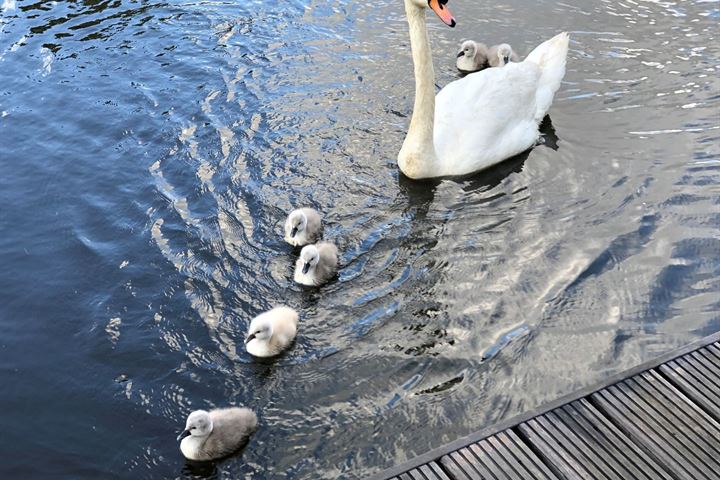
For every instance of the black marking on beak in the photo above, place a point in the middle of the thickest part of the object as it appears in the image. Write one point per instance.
(306, 268)
(506, 59)
(461, 54)
(249, 338)
(441, 4)
(185, 433)
(293, 232)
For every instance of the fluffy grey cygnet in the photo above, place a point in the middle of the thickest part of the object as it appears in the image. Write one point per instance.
(317, 264)
(271, 332)
(473, 56)
(303, 227)
(217, 433)
(501, 55)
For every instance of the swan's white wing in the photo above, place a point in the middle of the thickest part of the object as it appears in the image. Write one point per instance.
(551, 57)
(486, 117)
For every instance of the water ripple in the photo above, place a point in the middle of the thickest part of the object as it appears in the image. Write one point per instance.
(174, 138)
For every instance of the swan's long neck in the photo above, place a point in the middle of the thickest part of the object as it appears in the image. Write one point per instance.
(417, 156)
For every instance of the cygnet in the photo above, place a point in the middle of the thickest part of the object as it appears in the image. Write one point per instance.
(473, 56)
(317, 264)
(302, 227)
(500, 55)
(217, 433)
(271, 332)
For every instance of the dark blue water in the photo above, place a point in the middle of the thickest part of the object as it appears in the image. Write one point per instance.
(149, 152)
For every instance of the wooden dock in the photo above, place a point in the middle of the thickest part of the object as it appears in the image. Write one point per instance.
(660, 420)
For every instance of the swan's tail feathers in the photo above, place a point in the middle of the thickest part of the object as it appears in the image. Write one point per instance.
(550, 56)
(551, 52)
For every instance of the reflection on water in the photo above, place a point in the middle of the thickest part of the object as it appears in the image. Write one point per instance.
(151, 150)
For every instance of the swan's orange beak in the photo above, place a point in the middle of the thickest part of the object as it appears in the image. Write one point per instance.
(441, 10)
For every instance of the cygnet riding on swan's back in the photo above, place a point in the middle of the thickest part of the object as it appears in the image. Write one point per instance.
(473, 56)
(482, 119)
(271, 332)
(317, 264)
(501, 55)
(217, 433)
(302, 227)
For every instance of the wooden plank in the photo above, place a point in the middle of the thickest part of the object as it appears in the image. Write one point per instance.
(561, 460)
(664, 440)
(534, 467)
(503, 458)
(461, 469)
(698, 379)
(500, 457)
(708, 359)
(622, 412)
(586, 445)
(608, 439)
(505, 470)
(437, 470)
(560, 437)
(663, 415)
(702, 428)
(429, 471)
(482, 455)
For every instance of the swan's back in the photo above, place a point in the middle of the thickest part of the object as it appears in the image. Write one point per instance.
(232, 428)
(492, 115)
(284, 325)
(327, 267)
(485, 118)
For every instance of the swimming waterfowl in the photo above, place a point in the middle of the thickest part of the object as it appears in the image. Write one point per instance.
(482, 119)
(501, 55)
(473, 56)
(317, 264)
(271, 332)
(302, 227)
(217, 433)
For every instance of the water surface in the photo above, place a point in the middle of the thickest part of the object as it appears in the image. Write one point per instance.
(150, 150)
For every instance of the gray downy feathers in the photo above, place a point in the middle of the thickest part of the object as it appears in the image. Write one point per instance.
(217, 433)
(473, 56)
(317, 264)
(303, 227)
(500, 55)
(272, 332)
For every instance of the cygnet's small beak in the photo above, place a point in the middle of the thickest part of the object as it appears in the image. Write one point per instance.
(306, 268)
(185, 433)
(441, 10)
(506, 59)
(460, 54)
(293, 232)
(249, 338)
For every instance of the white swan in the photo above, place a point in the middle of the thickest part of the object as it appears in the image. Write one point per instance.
(217, 433)
(482, 119)
(271, 332)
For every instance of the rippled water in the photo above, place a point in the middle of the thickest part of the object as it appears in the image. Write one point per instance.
(150, 150)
